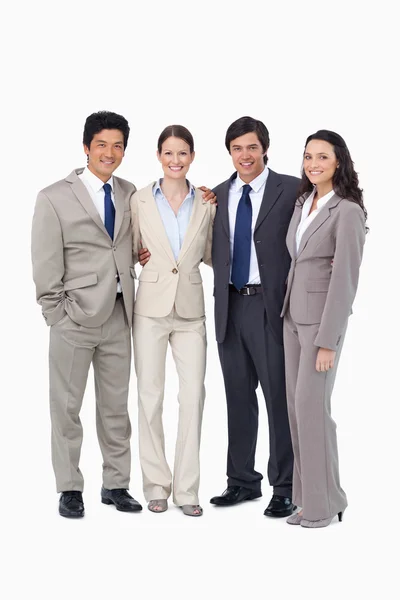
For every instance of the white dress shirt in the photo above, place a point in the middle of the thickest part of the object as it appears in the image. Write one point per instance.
(307, 217)
(94, 186)
(256, 196)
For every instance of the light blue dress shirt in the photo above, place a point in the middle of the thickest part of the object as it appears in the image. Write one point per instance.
(175, 226)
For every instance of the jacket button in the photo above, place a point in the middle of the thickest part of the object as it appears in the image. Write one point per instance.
(174, 271)
(227, 264)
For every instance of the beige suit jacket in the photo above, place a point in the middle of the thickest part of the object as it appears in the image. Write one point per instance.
(164, 281)
(323, 276)
(75, 262)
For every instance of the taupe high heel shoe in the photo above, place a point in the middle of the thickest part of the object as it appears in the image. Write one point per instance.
(295, 519)
(321, 522)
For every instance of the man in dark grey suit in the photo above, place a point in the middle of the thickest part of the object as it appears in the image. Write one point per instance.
(251, 264)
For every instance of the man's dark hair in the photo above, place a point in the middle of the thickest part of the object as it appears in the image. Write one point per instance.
(248, 125)
(104, 119)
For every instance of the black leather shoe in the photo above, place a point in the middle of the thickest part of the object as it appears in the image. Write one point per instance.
(235, 494)
(122, 500)
(280, 506)
(71, 505)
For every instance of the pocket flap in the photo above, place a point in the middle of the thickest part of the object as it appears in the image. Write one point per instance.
(80, 282)
(317, 285)
(133, 272)
(150, 276)
(195, 277)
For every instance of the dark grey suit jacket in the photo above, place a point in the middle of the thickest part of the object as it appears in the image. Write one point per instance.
(270, 242)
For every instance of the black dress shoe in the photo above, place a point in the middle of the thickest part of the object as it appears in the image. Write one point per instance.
(280, 506)
(122, 500)
(235, 494)
(71, 505)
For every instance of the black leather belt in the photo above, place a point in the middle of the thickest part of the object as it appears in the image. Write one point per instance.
(248, 290)
(118, 296)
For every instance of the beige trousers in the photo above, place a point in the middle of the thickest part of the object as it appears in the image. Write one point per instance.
(187, 338)
(72, 349)
(316, 484)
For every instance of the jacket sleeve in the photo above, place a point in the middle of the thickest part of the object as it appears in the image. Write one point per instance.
(350, 238)
(48, 260)
(136, 242)
(208, 248)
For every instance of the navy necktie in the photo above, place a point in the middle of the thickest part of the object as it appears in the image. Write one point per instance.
(242, 240)
(109, 210)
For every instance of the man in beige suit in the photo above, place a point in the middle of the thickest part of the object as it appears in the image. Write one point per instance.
(84, 276)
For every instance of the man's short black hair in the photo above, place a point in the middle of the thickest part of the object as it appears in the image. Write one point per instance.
(104, 119)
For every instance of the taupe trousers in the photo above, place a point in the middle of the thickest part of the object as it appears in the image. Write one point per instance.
(316, 485)
(187, 338)
(73, 348)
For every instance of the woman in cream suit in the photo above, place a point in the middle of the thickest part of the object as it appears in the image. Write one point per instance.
(171, 219)
(325, 239)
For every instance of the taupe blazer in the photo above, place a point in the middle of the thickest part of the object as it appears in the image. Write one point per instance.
(75, 262)
(164, 281)
(323, 276)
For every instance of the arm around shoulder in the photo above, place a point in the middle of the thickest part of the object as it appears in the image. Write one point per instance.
(208, 249)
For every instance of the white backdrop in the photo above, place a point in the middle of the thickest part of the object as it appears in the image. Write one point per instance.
(299, 67)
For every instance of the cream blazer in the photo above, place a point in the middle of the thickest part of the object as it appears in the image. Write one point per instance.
(164, 281)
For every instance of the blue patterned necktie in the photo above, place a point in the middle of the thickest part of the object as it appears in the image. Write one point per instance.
(242, 240)
(109, 210)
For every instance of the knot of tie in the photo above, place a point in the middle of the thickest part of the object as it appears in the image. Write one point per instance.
(246, 189)
(107, 188)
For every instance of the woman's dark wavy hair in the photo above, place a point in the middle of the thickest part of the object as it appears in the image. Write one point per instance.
(345, 179)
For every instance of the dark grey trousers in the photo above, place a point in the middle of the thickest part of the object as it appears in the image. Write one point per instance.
(250, 355)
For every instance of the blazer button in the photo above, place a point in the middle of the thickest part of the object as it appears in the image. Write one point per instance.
(174, 271)
(227, 264)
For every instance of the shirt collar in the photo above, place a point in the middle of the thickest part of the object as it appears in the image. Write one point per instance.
(95, 183)
(157, 189)
(321, 201)
(256, 184)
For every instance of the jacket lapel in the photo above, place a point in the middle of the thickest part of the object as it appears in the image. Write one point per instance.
(80, 191)
(273, 189)
(223, 204)
(119, 207)
(154, 220)
(318, 221)
(291, 234)
(196, 218)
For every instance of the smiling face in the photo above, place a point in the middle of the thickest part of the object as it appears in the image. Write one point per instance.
(175, 158)
(320, 163)
(105, 153)
(248, 156)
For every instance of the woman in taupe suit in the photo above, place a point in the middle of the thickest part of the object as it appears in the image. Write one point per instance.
(325, 239)
(171, 219)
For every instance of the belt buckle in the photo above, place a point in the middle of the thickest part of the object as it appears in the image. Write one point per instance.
(247, 292)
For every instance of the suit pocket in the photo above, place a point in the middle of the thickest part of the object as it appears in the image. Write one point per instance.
(317, 285)
(195, 277)
(317, 290)
(80, 282)
(148, 276)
